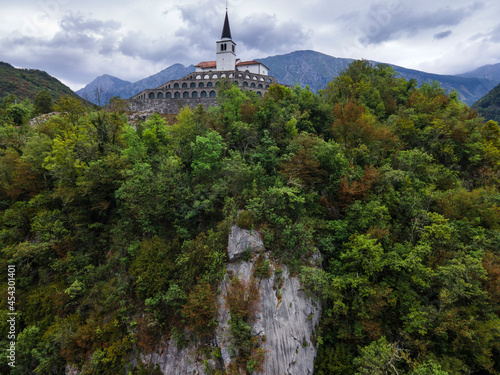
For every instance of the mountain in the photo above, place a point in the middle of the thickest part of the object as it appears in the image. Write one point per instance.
(99, 90)
(26, 83)
(489, 105)
(490, 72)
(108, 86)
(315, 70)
(307, 68)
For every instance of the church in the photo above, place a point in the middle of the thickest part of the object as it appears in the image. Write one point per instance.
(200, 87)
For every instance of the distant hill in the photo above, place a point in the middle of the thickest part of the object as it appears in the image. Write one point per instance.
(490, 72)
(307, 68)
(26, 83)
(489, 105)
(112, 86)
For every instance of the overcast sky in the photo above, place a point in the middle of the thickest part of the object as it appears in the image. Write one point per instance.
(76, 41)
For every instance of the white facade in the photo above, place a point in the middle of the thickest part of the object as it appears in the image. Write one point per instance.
(226, 55)
(254, 68)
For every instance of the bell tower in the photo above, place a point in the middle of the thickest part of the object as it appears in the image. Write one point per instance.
(226, 48)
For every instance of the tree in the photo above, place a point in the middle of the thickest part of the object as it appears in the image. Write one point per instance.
(43, 102)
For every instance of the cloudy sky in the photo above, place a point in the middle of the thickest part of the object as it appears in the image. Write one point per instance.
(76, 41)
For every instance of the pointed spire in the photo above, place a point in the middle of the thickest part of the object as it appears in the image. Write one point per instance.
(226, 30)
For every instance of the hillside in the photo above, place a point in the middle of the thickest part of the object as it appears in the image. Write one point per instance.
(292, 233)
(489, 105)
(307, 68)
(26, 83)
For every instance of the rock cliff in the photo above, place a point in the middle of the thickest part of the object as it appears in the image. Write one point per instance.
(284, 323)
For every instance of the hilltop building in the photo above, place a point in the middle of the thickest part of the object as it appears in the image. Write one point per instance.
(200, 87)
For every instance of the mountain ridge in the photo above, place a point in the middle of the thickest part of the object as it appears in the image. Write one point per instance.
(315, 70)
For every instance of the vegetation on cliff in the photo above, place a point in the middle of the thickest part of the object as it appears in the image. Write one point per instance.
(118, 234)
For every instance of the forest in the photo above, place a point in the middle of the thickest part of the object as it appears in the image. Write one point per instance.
(117, 230)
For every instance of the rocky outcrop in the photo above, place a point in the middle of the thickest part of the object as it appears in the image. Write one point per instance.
(285, 322)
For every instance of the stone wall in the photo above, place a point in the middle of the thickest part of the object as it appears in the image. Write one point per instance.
(195, 88)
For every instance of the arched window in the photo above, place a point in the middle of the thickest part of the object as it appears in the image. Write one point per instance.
(185, 94)
(258, 93)
(252, 84)
(235, 83)
(214, 76)
(245, 83)
(151, 95)
(209, 84)
(169, 95)
(192, 85)
(223, 75)
(194, 94)
(177, 94)
(201, 84)
(206, 76)
(260, 86)
(267, 86)
(176, 85)
(198, 76)
(203, 94)
(212, 94)
(160, 95)
(184, 85)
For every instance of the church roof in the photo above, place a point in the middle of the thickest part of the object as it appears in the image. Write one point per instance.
(206, 64)
(252, 62)
(226, 30)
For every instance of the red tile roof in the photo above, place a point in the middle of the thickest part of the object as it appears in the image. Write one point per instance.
(252, 62)
(207, 64)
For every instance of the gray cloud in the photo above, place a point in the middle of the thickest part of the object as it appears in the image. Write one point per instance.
(266, 33)
(443, 34)
(381, 23)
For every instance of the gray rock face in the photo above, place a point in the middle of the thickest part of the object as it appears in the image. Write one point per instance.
(242, 240)
(287, 318)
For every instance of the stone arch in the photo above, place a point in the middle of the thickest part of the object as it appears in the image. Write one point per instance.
(235, 83)
(169, 95)
(184, 85)
(214, 76)
(206, 76)
(201, 84)
(262, 79)
(252, 84)
(198, 76)
(259, 93)
(177, 94)
(213, 94)
(260, 86)
(185, 94)
(223, 75)
(192, 85)
(254, 78)
(267, 86)
(194, 94)
(151, 95)
(209, 84)
(176, 85)
(203, 94)
(245, 83)
(160, 95)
